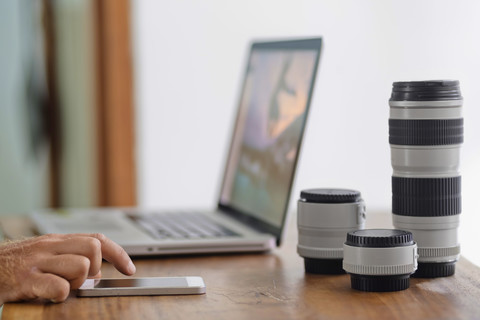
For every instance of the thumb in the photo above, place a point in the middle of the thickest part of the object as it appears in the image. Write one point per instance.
(48, 286)
(97, 276)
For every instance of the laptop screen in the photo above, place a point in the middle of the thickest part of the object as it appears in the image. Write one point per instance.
(270, 123)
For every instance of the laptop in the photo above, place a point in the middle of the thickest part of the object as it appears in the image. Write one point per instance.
(258, 177)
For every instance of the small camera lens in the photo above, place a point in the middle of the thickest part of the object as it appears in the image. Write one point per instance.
(324, 217)
(380, 259)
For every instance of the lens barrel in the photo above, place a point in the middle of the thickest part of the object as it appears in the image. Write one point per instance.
(425, 136)
(324, 218)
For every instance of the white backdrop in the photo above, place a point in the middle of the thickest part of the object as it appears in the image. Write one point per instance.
(189, 58)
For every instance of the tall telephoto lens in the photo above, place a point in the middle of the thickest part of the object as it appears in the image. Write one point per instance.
(426, 132)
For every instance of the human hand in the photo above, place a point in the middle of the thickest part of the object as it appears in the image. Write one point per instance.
(49, 266)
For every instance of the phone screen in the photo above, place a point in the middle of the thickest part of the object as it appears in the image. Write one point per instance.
(141, 283)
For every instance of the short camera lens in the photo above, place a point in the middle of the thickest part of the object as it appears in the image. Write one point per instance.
(324, 217)
(380, 259)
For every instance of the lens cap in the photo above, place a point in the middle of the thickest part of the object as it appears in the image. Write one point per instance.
(327, 195)
(433, 90)
(379, 238)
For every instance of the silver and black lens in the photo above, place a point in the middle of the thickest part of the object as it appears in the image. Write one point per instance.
(425, 135)
(380, 260)
(324, 218)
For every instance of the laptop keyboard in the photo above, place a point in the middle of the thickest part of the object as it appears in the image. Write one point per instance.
(181, 225)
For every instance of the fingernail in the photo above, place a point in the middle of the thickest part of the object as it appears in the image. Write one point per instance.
(131, 268)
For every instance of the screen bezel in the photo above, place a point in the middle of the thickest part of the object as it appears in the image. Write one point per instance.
(261, 225)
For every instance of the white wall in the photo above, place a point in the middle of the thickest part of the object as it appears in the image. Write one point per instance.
(189, 58)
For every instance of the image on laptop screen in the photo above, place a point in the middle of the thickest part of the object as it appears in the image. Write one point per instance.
(269, 129)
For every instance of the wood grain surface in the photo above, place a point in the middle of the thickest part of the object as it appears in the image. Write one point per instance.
(268, 286)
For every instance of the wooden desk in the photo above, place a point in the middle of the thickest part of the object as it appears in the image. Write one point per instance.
(269, 286)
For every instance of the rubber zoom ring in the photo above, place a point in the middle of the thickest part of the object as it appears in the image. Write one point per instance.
(426, 197)
(425, 132)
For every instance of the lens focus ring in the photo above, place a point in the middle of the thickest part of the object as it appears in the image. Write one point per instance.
(426, 132)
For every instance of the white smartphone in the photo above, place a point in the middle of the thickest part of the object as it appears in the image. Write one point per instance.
(141, 286)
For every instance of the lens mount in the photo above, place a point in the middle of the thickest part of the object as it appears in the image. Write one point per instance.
(323, 266)
(434, 270)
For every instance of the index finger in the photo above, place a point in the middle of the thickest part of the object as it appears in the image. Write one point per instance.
(114, 253)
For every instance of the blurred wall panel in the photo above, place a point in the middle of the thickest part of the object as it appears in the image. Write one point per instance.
(24, 149)
(66, 111)
(115, 110)
(94, 82)
(75, 83)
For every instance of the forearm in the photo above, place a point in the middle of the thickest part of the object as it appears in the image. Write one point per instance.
(10, 266)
